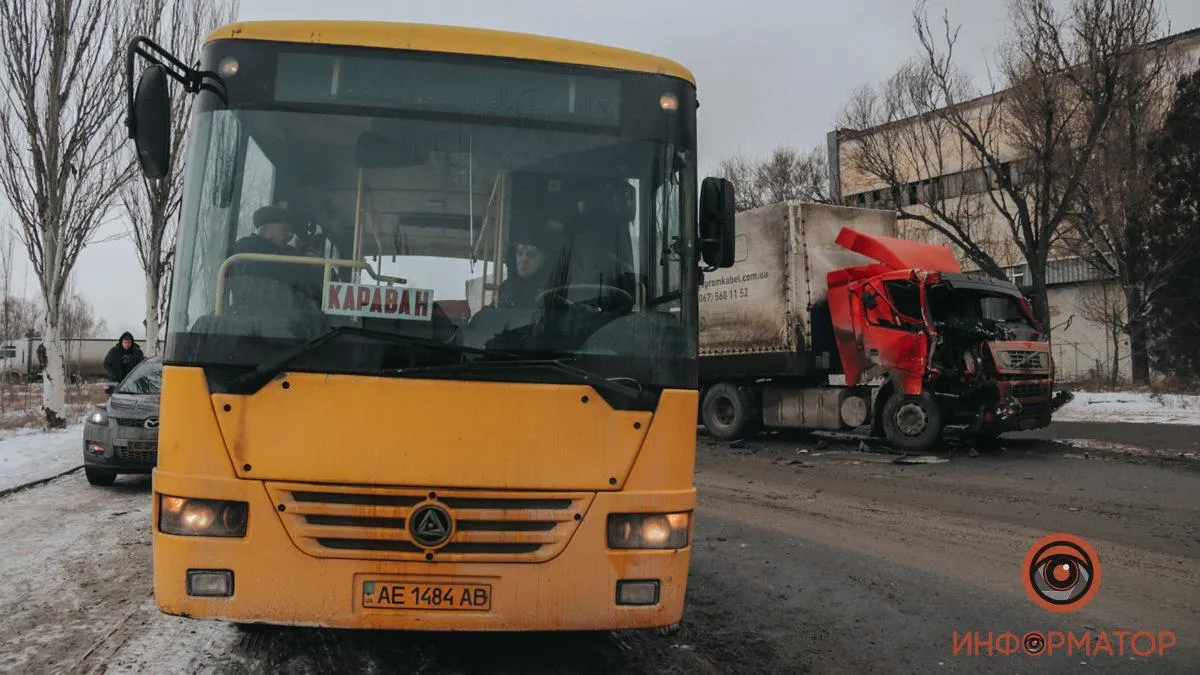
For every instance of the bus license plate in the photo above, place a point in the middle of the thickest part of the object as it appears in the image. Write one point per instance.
(382, 594)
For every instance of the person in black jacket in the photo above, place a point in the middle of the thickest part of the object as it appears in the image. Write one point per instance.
(274, 234)
(122, 358)
(529, 277)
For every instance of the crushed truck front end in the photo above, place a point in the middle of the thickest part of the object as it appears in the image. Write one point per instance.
(959, 352)
(990, 358)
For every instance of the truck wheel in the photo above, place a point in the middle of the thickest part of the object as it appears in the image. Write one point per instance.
(912, 423)
(99, 477)
(726, 411)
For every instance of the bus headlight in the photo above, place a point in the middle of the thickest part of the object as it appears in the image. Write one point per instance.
(202, 517)
(648, 530)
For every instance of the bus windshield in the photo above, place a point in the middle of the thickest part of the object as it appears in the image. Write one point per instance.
(536, 211)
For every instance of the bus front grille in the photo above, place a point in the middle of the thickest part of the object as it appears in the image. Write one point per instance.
(370, 523)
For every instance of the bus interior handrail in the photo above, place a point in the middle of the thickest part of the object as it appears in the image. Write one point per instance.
(327, 263)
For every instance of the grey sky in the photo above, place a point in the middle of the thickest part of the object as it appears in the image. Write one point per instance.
(768, 72)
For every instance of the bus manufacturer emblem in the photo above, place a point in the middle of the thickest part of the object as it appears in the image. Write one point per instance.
(431, 525)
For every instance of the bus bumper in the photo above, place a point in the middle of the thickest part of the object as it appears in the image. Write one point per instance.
(274, 581)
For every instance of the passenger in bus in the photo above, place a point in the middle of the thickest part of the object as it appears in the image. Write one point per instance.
(274, 234)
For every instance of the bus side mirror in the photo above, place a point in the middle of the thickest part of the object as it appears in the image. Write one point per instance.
(150, 122)
(716, 222)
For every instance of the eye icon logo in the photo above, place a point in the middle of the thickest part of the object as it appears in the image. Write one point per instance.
(1061, 572)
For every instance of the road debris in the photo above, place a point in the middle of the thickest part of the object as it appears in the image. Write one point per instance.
(798, 463)
(919, 459)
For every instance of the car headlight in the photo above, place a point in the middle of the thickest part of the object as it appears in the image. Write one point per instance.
(202, 517)
(98, 417)
(648, 530)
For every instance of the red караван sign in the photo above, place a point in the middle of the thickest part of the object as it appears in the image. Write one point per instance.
(381, 302)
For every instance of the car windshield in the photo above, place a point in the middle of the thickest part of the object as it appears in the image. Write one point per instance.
(144, 379)
(532, 230)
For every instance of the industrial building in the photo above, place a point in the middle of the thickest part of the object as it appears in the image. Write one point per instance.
(1084, 348)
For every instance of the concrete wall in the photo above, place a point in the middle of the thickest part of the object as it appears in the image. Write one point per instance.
(1084, 348)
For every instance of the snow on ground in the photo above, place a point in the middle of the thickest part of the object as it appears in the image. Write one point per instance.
(28, 455)
(1122, 450)
(1131, 407)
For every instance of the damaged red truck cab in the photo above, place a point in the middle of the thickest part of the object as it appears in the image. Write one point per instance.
(956, 350)
(822, 293)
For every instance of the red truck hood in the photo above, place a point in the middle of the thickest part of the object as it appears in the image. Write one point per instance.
(899, 254)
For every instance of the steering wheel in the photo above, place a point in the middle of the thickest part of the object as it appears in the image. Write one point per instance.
(592, 301)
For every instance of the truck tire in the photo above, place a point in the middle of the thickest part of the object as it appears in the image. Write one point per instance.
(726, 411)
(912, 423)
(99, 477)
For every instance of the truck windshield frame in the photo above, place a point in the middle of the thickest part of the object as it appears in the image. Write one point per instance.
(967, 303)
(416, 194)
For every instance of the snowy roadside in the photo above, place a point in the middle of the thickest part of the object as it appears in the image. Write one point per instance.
(1092, 446)
(1131, 408)
(30, 455)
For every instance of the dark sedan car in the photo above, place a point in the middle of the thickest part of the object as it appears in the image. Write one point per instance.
(121, 435)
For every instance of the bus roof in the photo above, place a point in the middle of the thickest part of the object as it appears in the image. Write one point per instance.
(451, 39)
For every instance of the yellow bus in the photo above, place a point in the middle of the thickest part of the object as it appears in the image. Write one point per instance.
(431, 351)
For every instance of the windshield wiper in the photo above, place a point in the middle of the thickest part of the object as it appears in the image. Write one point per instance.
(609, 389)
(266, 370)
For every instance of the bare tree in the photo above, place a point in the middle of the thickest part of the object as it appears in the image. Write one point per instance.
(1027, 145)
(6, 271)
(153, 205)
(1103, 303)
(79, 320)
(1108, 226)
(740, 170)
(7, 241)
(928, 172)
(22, 318)
(786, 174)
(60, 123)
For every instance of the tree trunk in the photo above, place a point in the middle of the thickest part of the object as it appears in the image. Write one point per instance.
(1115, 330)
(151, 347)
(1041, 300)
(54, 389)
(1139, 356)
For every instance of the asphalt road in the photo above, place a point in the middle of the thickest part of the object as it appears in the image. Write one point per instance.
(1176, 437)
(806, 559)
